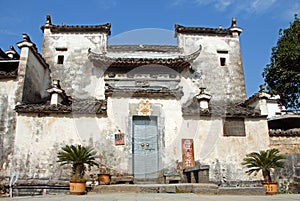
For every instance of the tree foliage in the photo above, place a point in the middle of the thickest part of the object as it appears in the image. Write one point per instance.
(282, 75)
(264, 161)
(78, 156)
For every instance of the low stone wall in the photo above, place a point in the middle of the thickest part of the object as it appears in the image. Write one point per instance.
(288, 178)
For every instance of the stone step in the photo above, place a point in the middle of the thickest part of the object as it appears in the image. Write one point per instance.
(205, 188)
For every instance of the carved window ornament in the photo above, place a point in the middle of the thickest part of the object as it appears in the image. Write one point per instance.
(144, 108)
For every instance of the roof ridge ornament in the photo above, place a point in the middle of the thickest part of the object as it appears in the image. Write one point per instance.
(48, 20)
(235, 30)
(191, 57)
(233, 22)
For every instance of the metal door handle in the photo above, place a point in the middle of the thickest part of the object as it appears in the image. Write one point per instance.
(142, 145)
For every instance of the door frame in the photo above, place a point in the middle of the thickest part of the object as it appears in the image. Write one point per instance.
(135, 135)
(160, 144)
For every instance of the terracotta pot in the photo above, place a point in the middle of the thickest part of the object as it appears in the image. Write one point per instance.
(271, 188)
(104, 179)
(77, 187)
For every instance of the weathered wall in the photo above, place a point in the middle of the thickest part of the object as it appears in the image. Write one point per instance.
(223, 154)
(286, 144)
(7, 124)
(290, 174)
(224, 83)
(33, 78)
(37, 80)
(77, 75)
(41, 136)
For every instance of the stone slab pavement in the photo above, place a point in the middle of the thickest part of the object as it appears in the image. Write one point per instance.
(155, 197)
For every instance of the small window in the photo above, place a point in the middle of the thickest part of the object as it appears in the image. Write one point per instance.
(234, 127)
(61, 49)
(222, 51)
(60, 59)
(223, 61)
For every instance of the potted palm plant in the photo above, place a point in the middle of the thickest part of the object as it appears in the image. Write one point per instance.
(78, 157)
(265, 161)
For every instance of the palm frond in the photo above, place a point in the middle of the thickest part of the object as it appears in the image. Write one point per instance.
(264, 161)
(78, 156)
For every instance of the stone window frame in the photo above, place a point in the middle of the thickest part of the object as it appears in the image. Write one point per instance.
(60, 59)
(234, 127)
(223, 58)
(61, 56)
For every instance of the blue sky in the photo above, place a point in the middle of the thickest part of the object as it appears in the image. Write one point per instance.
(260, 20)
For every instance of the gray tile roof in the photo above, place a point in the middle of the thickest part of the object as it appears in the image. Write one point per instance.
(146, 48)
(105, 28)
(201, 30)
(144, 92)
(134, 62)
(284, 133)
(77, 106)
(8, 68)
(219, 109)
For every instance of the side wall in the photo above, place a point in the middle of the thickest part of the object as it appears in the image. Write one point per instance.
(76, 74)
(224, 83)
(41, 136)
(37, 80)
(7, 124)
(223, 154)
(289, 176)
(33, 77)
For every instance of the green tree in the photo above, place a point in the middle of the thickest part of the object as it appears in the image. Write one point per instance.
(78, 156)
(264, 161)
(282, 75)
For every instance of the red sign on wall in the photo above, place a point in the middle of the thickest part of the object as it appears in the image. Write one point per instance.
(188, 160)
(119, 139)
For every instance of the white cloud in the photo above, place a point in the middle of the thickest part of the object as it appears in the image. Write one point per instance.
(8, 32)
(106, 4)
(261, 6)
(235, 6)
(177, 2)
(218, 4)
(10, 20)
(291, 11)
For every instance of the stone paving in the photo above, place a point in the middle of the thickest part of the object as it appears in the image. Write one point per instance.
(155, 196)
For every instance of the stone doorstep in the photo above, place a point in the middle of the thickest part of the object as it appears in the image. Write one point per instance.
(124, 179)
(204, 188)
(241, 191)
(157, 188)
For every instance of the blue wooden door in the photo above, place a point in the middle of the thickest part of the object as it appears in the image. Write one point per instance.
(145, 148)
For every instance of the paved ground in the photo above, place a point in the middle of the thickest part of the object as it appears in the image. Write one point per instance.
(154, 197)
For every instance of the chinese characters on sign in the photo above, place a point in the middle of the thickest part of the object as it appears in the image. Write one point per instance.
(187, 153)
